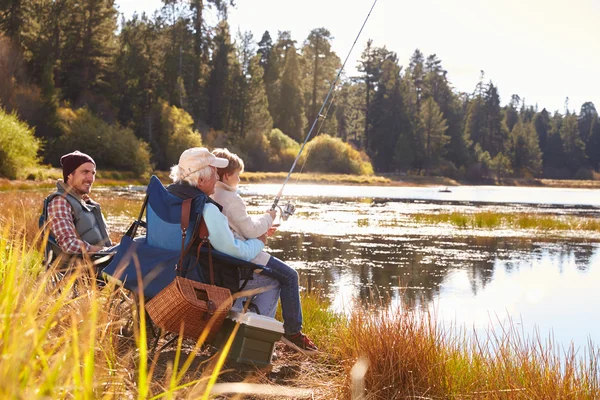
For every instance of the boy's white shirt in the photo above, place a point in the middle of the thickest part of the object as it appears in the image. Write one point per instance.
(243, 226)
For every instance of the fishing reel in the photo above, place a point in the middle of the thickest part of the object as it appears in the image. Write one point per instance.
(286, 211)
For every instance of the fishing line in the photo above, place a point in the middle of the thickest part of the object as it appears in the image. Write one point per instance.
(276, 201)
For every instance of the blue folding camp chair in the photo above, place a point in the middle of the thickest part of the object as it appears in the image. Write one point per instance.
(146, 264)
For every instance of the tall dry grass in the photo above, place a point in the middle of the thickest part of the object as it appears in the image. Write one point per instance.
(57, 341)
(408, 355)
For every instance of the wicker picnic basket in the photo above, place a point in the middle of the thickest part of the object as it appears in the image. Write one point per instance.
(197, 306)
(188, 304)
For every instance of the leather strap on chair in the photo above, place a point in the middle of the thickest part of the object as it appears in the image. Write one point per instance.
(185, 223)
(203, 234)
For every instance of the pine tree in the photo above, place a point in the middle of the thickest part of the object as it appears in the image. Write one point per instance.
(388, 141)
(511, 113)
(495, 128)
(554, 158)
(526, 154)
(273, 72)
(475, 122)
(542, 128)
(593, 146)
(415, 76)
(264, 49)
(586, 123)
(289, 112)
(371, 64)
(350, 113)
(13, 16)
(178, 53)
(90, 44)
(139, 75)
(256, 108)
(572, 144)
(320, 66)
(431, 138)
(258, 121)
(222, 89)
(436, 86)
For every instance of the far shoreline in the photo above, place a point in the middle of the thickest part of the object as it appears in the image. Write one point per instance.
(118, 178)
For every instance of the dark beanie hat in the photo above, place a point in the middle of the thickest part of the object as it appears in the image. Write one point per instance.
(70, 162)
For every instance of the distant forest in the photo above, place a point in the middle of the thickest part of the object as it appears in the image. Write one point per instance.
(134, 93)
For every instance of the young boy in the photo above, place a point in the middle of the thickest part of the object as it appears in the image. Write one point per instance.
(244, 227)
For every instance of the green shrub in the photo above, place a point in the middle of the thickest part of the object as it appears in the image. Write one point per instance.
(327, 154)
(584, 173)
(111, 146)
(18, 146)
(177, 129)
(282, 150)
(254, 149)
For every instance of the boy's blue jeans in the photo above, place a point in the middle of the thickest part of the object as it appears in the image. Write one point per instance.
(283, 282)
(289, 294)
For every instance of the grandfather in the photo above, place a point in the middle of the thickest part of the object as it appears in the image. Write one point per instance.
(196, 174)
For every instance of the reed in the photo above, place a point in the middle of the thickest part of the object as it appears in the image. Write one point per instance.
(409, 355)
(57, 341)
(496, 220)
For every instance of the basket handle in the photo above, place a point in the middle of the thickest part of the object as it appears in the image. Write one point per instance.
(206, 299)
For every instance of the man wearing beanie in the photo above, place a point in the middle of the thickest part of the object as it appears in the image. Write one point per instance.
(76, 221)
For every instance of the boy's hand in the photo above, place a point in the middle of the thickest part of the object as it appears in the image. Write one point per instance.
(272, 230)
(272, 213)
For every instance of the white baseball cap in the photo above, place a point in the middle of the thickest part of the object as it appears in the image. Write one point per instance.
(196, 158)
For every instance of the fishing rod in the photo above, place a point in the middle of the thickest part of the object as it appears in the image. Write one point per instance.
(289, 208)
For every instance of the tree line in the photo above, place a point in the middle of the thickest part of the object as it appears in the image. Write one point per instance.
(82, 78)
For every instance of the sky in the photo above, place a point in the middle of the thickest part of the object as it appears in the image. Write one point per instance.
(542, 50)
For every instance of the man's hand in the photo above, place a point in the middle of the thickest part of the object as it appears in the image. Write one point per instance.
(263, 238)
(272, 213)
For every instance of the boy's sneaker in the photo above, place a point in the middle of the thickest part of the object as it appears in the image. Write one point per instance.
(301, 343)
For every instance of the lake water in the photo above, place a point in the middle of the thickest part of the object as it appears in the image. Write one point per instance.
(359, 245)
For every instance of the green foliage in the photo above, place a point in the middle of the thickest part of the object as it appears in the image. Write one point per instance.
(111, 146)
(573, 146)
(320, 65)
(388, 133)
(500, 166)
(18, 146)
(282, 150)
(257, 118)
(431, 134)
(177, 133)
(289, 109)
(71, 53)
(87, 52)
(223, 90)
(526, 154)
(327, 154)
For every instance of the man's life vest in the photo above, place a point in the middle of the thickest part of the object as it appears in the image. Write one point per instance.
(87, 216)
